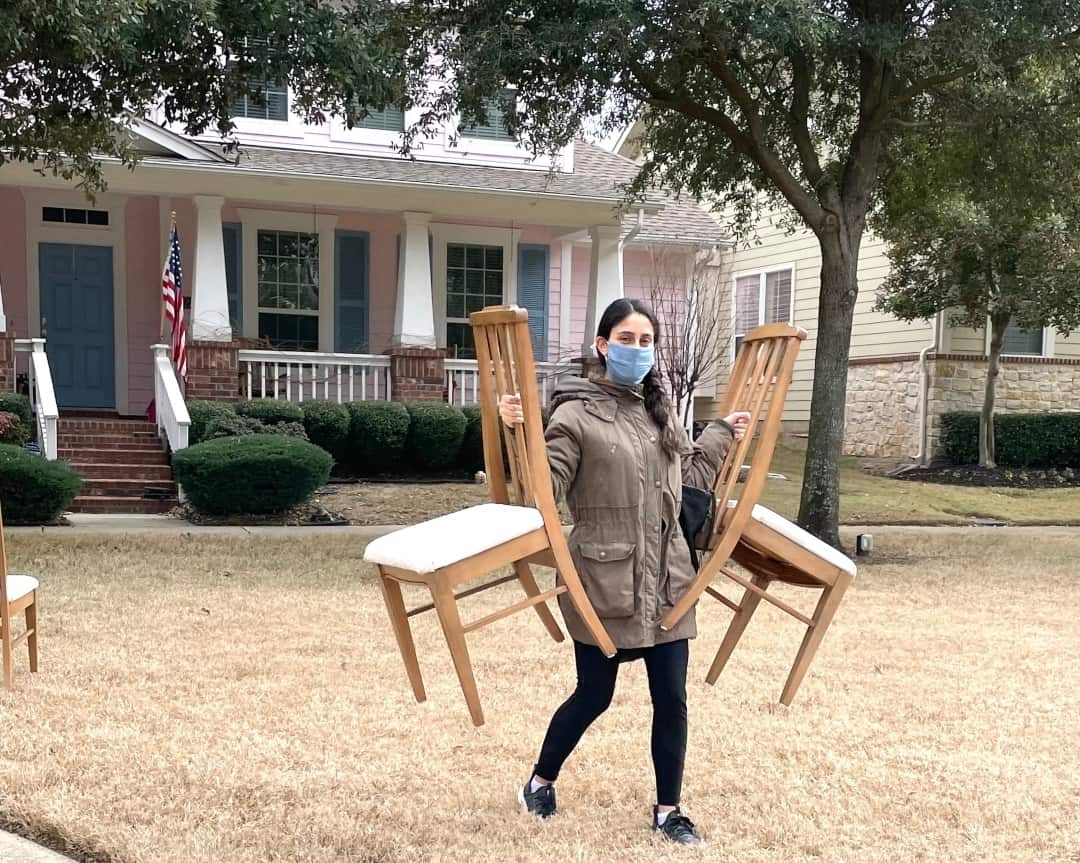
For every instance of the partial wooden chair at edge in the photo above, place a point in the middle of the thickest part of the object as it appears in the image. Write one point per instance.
(768, 546)
(18, 593)
(520, 524)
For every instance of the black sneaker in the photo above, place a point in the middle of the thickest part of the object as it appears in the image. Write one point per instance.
(539, 802)
(677, 828)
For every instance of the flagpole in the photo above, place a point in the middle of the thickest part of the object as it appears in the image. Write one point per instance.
(168, 251)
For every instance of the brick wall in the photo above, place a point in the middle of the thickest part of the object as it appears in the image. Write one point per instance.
(213, 371)
(417, 374)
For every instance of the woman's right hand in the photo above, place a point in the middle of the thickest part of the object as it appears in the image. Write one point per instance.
(510, 410)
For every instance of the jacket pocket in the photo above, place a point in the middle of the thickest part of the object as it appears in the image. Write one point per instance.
(607, 572)
(680, 569)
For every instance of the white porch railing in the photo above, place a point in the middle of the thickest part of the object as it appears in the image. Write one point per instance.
(173, 419)
(297, 376)
(42, 395)
(463, 388)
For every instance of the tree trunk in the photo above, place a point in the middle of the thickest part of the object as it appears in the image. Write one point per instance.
(987, 449)
(819, 510)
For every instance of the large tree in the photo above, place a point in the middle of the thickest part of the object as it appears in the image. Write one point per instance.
(981, 210)
(791, 102)
(76, 70)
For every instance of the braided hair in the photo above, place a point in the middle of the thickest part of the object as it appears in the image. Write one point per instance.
(657, 403)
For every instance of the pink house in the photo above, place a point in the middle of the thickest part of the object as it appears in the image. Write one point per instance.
(316, 264)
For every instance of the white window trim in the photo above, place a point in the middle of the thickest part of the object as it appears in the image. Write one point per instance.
(378, 138)
(761, 273)
(39, 231)
(1048, 344)
(268, 220)
(443, 235)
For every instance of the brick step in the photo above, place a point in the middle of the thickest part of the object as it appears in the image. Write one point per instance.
(70, 441)
(95, 455)
(106, 425)
(151, 473)
(112, 487)
(120, 505)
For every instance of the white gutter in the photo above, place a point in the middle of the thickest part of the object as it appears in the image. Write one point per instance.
(924, 392)
(634, 231)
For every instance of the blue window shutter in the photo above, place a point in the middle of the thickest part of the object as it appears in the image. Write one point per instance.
(351, 306)
(532, 294)
(234, 285)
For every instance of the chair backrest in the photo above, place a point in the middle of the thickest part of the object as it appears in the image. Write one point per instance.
(758, 384)
(505, 366)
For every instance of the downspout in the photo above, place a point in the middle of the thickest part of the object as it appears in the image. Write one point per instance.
(634, 231)
(924, 392)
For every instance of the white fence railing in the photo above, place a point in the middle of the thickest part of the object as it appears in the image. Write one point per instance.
(298, 376)
(171, 412)
(462, 380)
(42, 395)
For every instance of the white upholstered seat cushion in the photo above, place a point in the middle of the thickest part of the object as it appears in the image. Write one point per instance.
(431, 545)
(790, 530)
(19, 584)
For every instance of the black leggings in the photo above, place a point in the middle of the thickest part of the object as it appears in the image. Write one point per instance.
(666, 667)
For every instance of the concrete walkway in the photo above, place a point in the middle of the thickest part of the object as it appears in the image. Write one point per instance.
(15, 849)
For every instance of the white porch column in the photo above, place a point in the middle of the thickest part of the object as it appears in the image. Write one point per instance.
(605, 278)
(209, 295)
(414, 317)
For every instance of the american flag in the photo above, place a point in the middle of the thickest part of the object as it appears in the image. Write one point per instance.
(172, 294)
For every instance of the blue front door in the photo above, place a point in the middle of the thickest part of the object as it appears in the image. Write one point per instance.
(77, 322)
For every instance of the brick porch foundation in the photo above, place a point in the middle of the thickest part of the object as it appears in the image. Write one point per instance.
(417, 374)
(213, 371)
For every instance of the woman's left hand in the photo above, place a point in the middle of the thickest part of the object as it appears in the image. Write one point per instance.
(740, 422)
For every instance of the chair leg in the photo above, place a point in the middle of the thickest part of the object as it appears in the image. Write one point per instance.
(31, 628)
(446, 608)
(525, 576)
(395, 605)
(5, 637)
(823, 615)
(736, 628)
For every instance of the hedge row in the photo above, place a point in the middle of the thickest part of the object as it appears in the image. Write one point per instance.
(33, 489)
(1038, 440)
(371, 438)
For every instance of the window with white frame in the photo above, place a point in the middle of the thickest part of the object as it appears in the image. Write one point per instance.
(1021, 342)
(762, 298)
(268, 100)
(494, 126)
(474, 279)
(288, 289)
(389, 119)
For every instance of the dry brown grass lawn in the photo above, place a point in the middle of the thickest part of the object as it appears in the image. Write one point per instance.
(242, 700)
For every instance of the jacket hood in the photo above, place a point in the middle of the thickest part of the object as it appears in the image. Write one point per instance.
(596, 391)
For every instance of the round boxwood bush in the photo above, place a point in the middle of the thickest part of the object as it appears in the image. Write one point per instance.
(270, 411)
(377, 435)
(32, 489)
(12, 429)
(203, 413)
(435, 434)
(18, 404)
(471, 454)
(250, 474)
(327, 425)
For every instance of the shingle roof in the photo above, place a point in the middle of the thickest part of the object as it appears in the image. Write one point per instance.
(598, 175)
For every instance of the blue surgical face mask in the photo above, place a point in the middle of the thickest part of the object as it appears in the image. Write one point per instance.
(628, 366)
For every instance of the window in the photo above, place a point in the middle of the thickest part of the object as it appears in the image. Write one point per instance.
(269, 100)
(387, 120)
(288, 289)
(71, 216)
(762, 298)
(474, 279)
(1021, 342)
(494, 128)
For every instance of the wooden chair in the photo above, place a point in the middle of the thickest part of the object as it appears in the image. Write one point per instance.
(520, 523)
(18, 592)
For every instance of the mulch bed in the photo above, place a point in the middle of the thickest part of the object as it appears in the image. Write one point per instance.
(1006, 477)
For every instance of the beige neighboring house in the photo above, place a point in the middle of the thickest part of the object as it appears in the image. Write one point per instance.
(901, 376)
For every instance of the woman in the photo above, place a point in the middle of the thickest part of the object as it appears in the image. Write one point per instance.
(620, 458)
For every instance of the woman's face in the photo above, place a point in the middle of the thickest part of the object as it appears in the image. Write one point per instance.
(634, 331)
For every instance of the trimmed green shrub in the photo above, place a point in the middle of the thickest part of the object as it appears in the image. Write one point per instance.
(33, 489)
(1039, 440)
(327, 425)
(202, 414)
(237, 426)
(377, 435)
(471, 454)
(270, 411)
(18, 404)
(436, 430)
(251, 474)
(12, 429)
